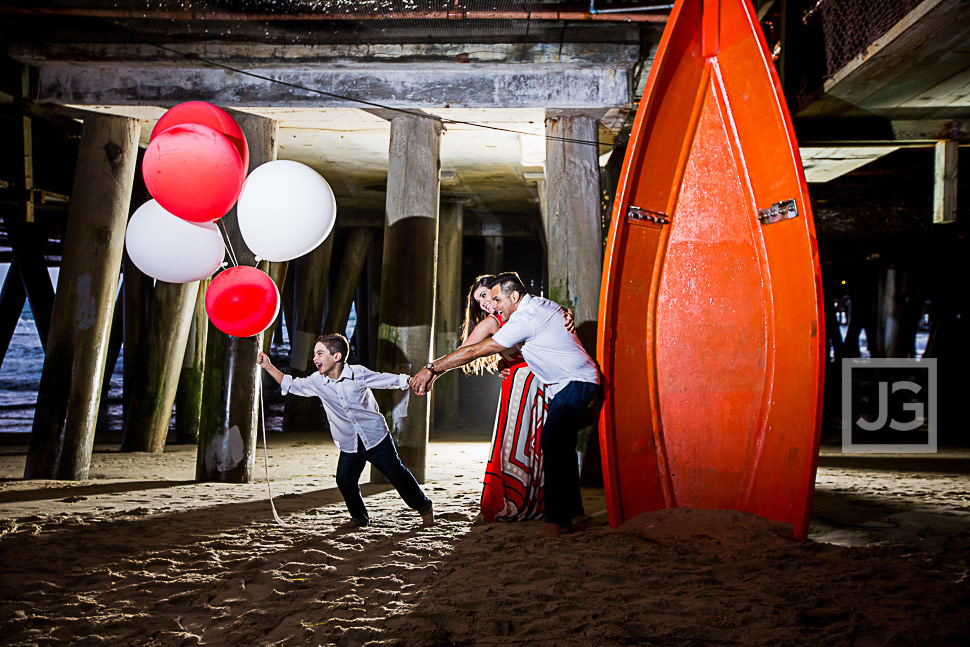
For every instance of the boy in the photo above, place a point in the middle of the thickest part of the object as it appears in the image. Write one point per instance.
(356, 423)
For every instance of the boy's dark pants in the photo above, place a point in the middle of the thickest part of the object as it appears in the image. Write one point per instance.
(384, 457)
(559, 434)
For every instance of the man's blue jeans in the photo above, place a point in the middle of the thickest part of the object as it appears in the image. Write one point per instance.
(563, 422)
(384, 457)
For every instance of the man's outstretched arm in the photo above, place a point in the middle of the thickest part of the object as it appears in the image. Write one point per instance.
(422, 379)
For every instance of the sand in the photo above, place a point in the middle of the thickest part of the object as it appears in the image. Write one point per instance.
(141, 555)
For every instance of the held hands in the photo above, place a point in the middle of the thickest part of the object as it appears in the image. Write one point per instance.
(421, 381)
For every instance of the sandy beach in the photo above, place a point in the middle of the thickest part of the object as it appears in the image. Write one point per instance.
(142, 555)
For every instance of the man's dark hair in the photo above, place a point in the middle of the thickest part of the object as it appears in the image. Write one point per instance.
(335, 344)
(510, 283)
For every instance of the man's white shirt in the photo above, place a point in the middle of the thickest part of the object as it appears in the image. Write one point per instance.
(350, 405)
(553, 353)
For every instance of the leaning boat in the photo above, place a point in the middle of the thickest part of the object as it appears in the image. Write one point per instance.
(711, 334)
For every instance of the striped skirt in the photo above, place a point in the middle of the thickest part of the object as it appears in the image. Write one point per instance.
(513, 476)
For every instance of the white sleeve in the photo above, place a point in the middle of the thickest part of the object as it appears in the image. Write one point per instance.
(375, 380)
(515, 331)
(298, 386)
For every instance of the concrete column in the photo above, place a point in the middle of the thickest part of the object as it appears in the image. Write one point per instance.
(230, 385)
(572, 220)
(157, 376)
(448, 312)
(310, 278)
(406, 336)
(70, 387)
(348, 277)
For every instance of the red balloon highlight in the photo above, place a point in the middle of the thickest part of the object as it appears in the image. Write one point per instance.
(194, 172)
(242, 301)
(206, 114)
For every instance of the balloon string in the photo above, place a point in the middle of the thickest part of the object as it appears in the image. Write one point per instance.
(228, 243)
(262, 417)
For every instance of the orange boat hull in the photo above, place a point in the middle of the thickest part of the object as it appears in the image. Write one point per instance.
(711, 338)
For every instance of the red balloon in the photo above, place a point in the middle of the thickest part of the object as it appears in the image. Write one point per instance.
(194, 172)
(201, 112)
(242, 301)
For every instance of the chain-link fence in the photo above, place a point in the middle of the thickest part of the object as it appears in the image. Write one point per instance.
(850, 26)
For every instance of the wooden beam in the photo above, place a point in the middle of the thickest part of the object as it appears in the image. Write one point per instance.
(498, 85)
(945, 183)
(27, 145)
(866, 131)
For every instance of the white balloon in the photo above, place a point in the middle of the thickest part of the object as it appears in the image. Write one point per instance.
(285, 209)
(171, 249)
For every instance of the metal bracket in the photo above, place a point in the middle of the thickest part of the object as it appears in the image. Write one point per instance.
(645, 217)
(777, 212)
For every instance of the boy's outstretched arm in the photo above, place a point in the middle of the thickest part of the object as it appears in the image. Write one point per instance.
(263, 361)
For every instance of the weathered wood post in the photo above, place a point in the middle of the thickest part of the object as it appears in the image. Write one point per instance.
(406, 335)
(277, 272)
(574, 240)
(573, 229)
(310, 278)
(70, 386)
(157, 374)
(136, 289)
(12, 300)
(28, 242)
(230, 385)
(449, 311)
(355, 253)
(369, 302)
(188, 395)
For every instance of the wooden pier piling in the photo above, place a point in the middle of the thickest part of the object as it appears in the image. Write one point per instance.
(188, 395)
(406, 335)
(70, 388)
(342, 299)
(159, 365)
(230, 384)
(310, 279)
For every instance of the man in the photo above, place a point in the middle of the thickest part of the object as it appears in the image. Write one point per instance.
(556, 357)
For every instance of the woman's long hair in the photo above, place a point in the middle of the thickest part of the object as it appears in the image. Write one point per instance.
(473, 316)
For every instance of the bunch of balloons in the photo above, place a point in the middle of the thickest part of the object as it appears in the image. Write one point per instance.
(195, 169)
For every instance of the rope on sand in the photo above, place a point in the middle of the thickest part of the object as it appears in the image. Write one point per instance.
(269, 490)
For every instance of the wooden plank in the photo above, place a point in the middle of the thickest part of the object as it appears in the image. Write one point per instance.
(945, 183)
(912, 57)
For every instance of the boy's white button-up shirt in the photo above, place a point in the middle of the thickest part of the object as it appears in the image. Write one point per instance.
(552, 352)
(349, 403)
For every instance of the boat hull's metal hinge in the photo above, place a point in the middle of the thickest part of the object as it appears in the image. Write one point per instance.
(777, 212)
(639, 216)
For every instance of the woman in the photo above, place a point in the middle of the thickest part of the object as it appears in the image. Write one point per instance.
(513, 476)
